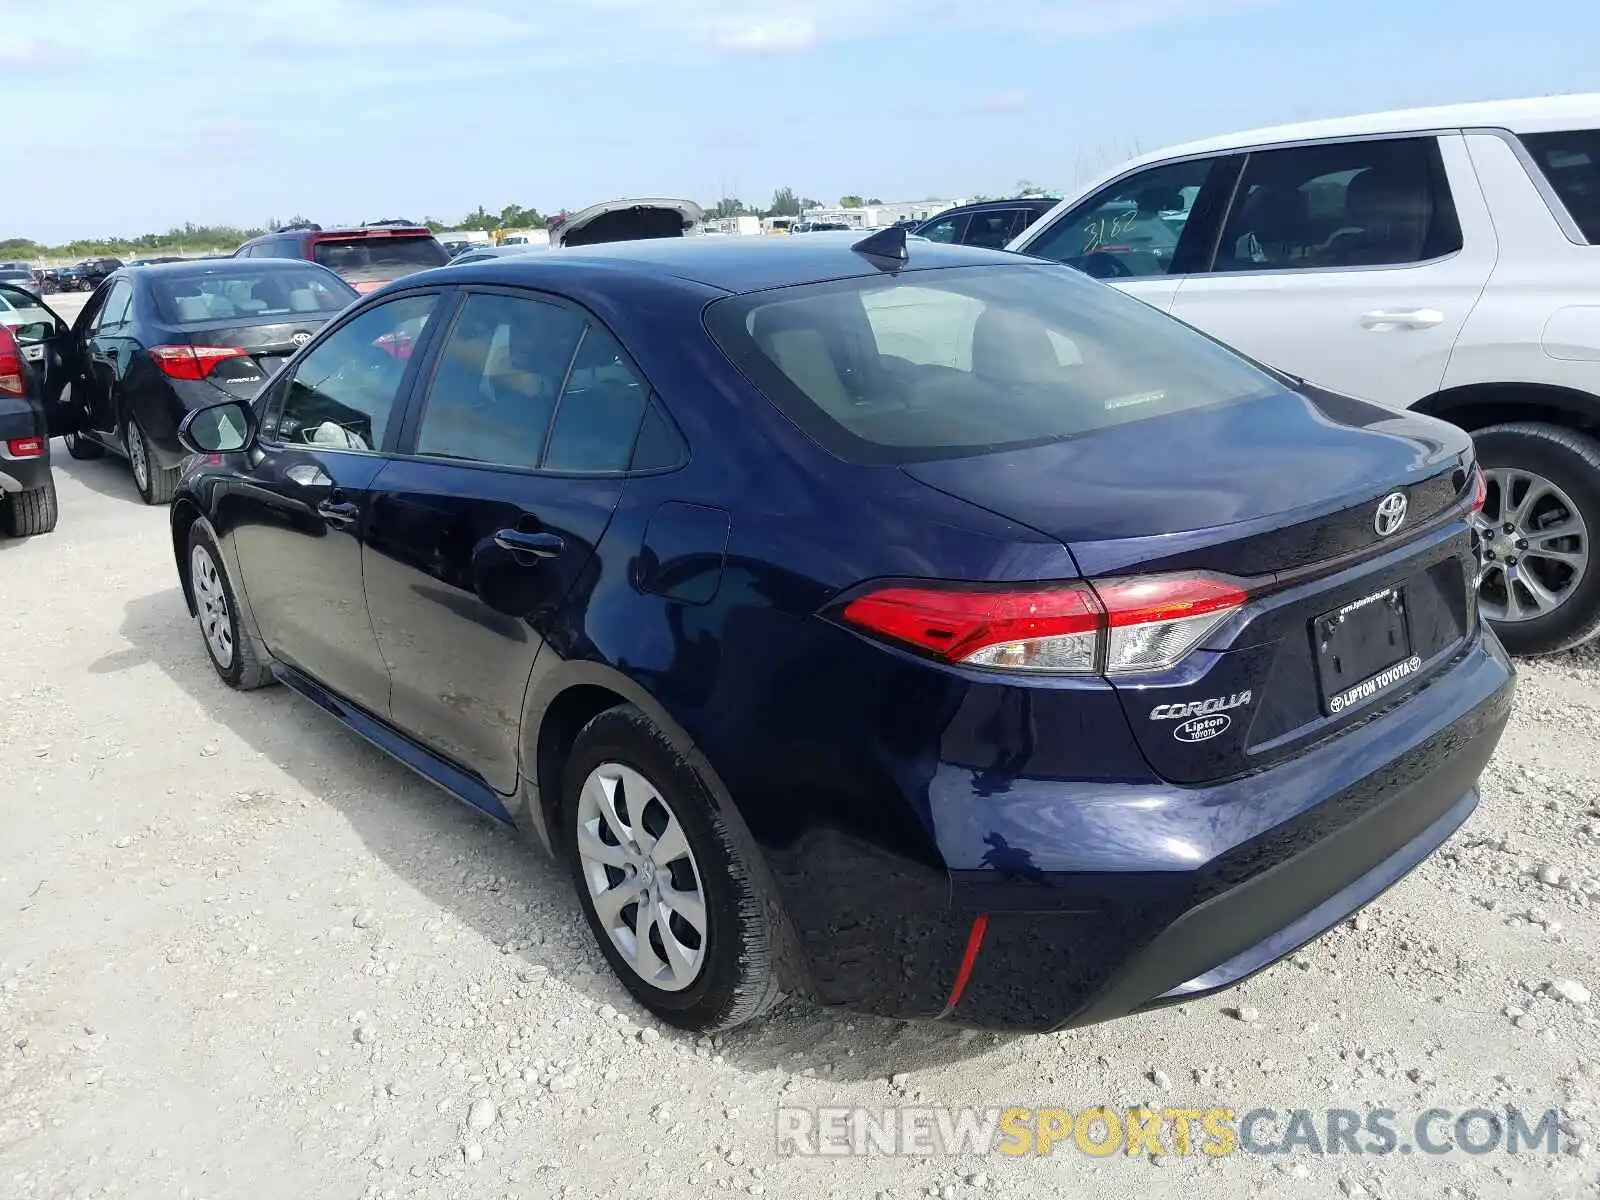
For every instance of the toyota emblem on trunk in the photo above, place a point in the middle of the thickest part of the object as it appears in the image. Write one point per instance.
(301, 337)
(1391, 513)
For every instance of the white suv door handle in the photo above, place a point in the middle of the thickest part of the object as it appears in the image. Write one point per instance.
(1411, 318)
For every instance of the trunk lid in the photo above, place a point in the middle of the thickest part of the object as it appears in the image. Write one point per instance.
(1284, 493)
(267, 346)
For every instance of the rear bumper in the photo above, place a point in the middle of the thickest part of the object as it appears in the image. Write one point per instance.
(21, 418)
(1100, 900)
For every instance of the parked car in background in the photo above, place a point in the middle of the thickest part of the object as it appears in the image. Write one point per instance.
(1440, 260)
(62, 279)
(156, 342)
(624, 220)
(924, 627)
(22, 276)
(366, 257)
(161, 258)
(94, 271)
(484, 253)
(989, 223)
(32, 376)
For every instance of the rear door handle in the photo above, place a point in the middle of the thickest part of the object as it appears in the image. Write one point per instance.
(338, 512)
(540, 545)
(1411, 318)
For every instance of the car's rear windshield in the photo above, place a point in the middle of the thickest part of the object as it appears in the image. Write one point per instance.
(256, 296)
(970, 360)
(356, 255)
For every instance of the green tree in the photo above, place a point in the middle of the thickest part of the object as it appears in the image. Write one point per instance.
(728, 206)
(874, 200)
(851, 202)
(784, 203)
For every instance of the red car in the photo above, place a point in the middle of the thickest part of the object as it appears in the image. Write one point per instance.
(366, 256)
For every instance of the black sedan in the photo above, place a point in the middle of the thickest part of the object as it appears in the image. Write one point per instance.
(154, 343)
(31, 377)
(929, 628)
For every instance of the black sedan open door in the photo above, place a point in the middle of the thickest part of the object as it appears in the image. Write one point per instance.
(45, 341)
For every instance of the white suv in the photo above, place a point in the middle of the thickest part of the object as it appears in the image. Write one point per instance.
(1445, 260)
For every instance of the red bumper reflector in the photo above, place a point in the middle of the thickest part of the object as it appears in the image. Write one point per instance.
(28, 447)
(980, 926)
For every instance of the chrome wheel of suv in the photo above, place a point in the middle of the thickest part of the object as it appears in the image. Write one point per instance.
(1533, 546)
(642, 876)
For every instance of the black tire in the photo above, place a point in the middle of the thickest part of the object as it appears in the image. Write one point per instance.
(244, 670)
(1571, 461)
(30, 513)
(160, 484)
(738, 978)
(83, 448)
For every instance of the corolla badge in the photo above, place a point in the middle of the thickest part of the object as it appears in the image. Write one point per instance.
(300, 338)
(1391, 513)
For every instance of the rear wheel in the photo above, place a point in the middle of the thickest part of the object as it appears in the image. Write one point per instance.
(672, 898)
(1539, 581)
(155, 484)
(30, 513)
(81, 447)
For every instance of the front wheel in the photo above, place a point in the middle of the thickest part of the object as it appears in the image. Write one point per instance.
(156, 484)
(675, 902)
(1539, 583)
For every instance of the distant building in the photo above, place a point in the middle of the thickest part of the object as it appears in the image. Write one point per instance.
(876, 216)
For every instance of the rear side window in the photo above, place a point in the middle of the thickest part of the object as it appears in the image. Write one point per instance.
(966, 361)
(1570, 162)
(249, 295)
(1340, 204)
(115, 313)
(354, 255)
(498, 378)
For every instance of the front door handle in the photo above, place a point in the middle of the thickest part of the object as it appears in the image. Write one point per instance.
(338, 512)
(1411, 318)
(540, 545)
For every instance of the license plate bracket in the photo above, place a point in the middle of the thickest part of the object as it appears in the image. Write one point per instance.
(1362, 649)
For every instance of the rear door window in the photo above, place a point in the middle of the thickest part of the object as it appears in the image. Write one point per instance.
(115, 313)
(954, 362)
(946, 229)
(497, 381)
(600, 410)
(1136, 227)
(1570, 162)
(994, 228)
(1384, 202)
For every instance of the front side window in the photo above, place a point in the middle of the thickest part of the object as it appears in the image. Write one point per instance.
(344, 392)
(1131, 228)
(1340, 204)
(945, 229)
(1570, 161)
(965, 361)
(497, 381)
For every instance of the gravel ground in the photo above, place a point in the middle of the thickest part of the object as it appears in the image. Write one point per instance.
(243, 955)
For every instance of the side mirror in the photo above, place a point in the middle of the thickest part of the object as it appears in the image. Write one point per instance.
(218, 428)
(34, 332)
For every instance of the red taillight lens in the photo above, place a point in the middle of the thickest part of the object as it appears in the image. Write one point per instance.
(1041, 629)
(10, 364)
(1113, 627)
(1480, 489)
(192, 362)
(28, 447)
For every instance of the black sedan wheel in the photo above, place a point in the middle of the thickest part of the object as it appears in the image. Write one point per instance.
(155, 484)
(81, 447)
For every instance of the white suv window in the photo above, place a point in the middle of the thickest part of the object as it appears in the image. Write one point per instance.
(1340, 204)
(1570, 161)
(1130, 228)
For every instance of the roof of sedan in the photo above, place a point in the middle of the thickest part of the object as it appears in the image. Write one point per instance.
(732, 264)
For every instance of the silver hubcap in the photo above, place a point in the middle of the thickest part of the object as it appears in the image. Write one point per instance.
(1533, 546)
(642, 876)
(211, 605)
(141, 469)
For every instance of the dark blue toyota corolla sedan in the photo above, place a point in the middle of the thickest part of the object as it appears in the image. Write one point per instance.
(927, 628)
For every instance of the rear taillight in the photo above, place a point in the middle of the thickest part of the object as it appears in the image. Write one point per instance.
(1112, 627)
(1480, 489)
(10, 364)
(28, 447)
(192, 362)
